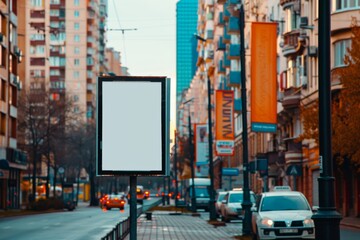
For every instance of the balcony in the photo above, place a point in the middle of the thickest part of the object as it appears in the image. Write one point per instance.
(209, 34)
(220, 19)
(226, 60)
(220, 67)
(234, 52)
(288, 2)
(37, 13)
(209, 3)
(209, 55)
(221, 1)
(292, 43)
(220, 45)
(237, 105)
(233, 26)
(234, 79)
(291, 98)
(226, 36)
(226, 15)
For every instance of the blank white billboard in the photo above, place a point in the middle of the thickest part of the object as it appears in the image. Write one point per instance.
(131, 125)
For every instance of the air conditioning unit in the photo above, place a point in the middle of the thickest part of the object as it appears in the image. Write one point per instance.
(304, 22)
(312, 51)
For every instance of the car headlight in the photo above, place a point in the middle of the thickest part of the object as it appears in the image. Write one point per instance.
(308, 222)
(267, 222)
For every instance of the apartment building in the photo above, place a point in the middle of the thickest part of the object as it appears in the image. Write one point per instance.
(12, 160)
(290, 161)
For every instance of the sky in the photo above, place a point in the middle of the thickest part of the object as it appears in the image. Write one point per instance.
(150, 50)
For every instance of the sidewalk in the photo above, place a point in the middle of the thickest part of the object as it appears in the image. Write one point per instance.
(176, 225)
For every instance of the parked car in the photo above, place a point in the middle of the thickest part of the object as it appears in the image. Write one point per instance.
(283, 214)
(219, 198)
(231, 207)
(114, 201)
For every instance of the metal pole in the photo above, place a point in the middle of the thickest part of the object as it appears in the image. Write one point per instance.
(246, 205)
(133, 208)
(327, 219)
(212, 213)
(175, 170)
(193, 194)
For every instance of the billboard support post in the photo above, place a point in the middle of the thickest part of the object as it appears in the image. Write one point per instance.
(133, 208)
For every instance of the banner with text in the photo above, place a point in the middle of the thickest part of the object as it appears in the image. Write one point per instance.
(263, 77)
(224, 127)
(201, 144)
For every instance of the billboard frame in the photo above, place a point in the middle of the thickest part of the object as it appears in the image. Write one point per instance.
(149, 85)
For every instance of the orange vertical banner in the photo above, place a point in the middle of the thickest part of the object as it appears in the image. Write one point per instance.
(263, 77)
(224, 113)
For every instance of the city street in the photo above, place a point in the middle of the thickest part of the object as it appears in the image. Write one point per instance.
(82, 223)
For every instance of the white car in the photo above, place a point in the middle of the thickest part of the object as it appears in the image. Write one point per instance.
(283, 215)
(231, 205)
(219, 198)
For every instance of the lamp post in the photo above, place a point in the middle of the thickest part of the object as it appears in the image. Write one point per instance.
(327, 219)
(175, 170)
(246, 204)
(191, 156)
(212, 212)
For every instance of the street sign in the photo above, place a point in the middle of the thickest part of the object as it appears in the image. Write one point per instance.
(262, 166)
(230, 172)
(294, 170)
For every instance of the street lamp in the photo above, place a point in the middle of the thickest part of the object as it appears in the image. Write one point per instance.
(191, 150)
(212, 212)
(246, 204)
(327, 219)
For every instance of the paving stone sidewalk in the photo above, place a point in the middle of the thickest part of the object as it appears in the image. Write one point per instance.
(171, 225)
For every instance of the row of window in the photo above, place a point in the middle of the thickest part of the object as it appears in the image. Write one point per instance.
(40, 3)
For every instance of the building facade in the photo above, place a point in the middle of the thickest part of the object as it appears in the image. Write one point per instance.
(291, 160)
(186, 55)
(12, 160)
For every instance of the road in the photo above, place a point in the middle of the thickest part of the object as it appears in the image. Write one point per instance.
(84, 223)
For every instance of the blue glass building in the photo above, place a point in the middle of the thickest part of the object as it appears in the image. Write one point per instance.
(186, 54)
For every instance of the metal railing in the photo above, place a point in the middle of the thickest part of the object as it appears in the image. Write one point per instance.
(122, 229)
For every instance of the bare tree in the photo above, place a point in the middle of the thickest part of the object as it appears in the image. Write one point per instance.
(42, 123)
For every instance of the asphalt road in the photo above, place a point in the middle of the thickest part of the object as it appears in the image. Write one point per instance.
(84, 223)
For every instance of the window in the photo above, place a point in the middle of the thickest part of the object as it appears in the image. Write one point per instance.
(76, 13)
(76, 62)
(76, 26)
(37, 37)
(54, 73)
(76, 98)
(76, 50)
(345, 4)
(76, 74)
(76, 2)
(77, 38)
(36, 3)
(340, 50)
(54, 12)
(54, 1)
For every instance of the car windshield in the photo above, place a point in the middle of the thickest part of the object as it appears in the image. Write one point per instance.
(221, 197)
(280, 203)
(236, 197)
(200, 192)
(113, 196)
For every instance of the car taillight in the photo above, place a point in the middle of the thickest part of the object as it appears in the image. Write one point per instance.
(107, 201)
(122, 201)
